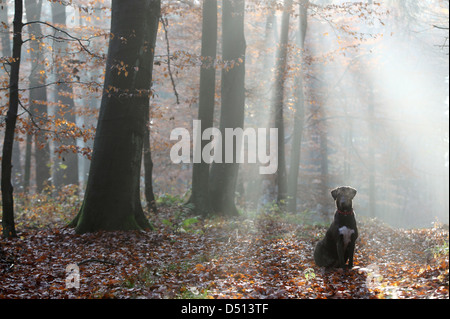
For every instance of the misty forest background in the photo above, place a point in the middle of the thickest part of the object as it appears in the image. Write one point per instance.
(362, 88)
(359, 94)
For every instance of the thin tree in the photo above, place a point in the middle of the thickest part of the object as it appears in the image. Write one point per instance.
(299, 111)
(317, 119)
(7, 52)
(200, 176)
(11, 118)
(5, 34)
(280, 77)
(223, 176)
(148, 171)
(112, 198)
(38, 94)
(371, 150)
(66, 165)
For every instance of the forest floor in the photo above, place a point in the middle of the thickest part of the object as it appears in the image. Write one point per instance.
(264, 256)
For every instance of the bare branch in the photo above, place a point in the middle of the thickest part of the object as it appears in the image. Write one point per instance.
(164, 23)
(92, 83)
(439, 27)
(80, 41)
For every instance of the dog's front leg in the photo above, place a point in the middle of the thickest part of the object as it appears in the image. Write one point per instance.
(351, 250)
(340, 252)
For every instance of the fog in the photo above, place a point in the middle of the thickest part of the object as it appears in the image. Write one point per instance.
(376, 90)
(371, 80)
(196, 150)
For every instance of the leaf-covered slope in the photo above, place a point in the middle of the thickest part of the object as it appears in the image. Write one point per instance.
(266, 257)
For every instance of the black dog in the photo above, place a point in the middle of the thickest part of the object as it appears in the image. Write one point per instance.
(338, 245)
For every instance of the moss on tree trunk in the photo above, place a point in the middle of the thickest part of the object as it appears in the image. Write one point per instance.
(112, 198)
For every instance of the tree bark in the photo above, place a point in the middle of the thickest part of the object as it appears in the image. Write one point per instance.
(299, 113)
(11, 118)
(280, 77)
(148, 172)
(371, 161)
(223, 175)
(38, 97)
(112, 199)
(66, 165)
(5, 35)
(371, 151)
(200, 174)
(17, 174)
(27, 168)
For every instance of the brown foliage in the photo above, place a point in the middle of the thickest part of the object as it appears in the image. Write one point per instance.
(266, 257)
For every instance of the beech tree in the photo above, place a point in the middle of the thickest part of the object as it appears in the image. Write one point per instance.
(38, 94)
(200, 175)
(66, 165)
(11, 118)
(148, 172)
(112, 198)
(223, 176)
(299, 111)
(17, 176)
(280, 78)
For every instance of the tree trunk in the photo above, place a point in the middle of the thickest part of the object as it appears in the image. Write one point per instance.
(200, 175)
(371, 161)
(112, 199)
(38, 96)
(148, 172)
(323, 135)
(66, 165)
(7, 52)
(27, 168)
(299, 113)
(318, 124)
(11, 118)
(5, 34)
(372, 133)
(280, 77)
(223, 175)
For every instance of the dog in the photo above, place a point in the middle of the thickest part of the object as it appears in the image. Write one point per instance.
(338, 246)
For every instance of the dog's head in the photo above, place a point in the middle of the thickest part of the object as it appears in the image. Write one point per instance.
(343, 196)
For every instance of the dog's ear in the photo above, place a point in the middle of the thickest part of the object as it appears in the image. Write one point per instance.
(352, 191)
(334, 193)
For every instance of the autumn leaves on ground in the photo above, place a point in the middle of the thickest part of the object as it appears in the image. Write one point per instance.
(266, 255)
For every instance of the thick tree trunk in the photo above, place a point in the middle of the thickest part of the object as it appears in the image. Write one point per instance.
(200, 175)
(11, 118)
(223, 176)
(299, 114)
(112, 199)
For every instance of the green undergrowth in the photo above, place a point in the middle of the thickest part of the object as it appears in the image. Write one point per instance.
(57, 207)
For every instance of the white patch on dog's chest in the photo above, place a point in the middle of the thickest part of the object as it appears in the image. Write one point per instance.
(347, 234)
